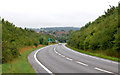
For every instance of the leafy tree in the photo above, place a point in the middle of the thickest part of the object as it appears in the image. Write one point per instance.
(36, 44)
(101, 34)
(14, 38)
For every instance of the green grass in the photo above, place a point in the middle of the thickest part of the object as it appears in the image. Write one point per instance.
(95, 54)
(20, 64)
(0, 69)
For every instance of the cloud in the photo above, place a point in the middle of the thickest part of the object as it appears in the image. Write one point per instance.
(51, 13)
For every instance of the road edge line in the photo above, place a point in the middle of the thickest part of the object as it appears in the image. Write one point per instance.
(46, 69)
(95, 57)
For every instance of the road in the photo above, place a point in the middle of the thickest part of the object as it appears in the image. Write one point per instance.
(58, 59)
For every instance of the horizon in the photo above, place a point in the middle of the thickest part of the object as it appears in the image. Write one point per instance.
(61, 13)
(54, 27)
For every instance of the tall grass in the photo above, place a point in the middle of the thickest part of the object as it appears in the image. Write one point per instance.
(20, 64)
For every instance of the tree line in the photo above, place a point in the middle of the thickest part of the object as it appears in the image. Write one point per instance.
(14, 38)
(101, 34)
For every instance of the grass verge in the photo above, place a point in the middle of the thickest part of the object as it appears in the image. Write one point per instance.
(20, 64)
(0, 69)
(94, 54)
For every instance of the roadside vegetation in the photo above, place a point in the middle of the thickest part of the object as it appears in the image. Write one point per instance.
(0, 47)
(17, 43)
(14, 38)
(95, 53)
(101, 36)
(20, 64)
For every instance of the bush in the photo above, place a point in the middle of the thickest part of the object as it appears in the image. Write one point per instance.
(36, 44)
(101, 34)
(14, 38)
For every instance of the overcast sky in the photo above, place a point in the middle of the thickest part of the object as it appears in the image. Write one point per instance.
(53, 13)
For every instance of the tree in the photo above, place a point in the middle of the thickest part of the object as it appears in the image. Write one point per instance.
(36, 44)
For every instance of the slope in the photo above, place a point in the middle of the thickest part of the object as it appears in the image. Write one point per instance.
(100, 36)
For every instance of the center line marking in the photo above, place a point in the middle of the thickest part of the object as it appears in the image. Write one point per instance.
(62, 55)
(68, 58)
(81, 63)
(102, 70)
(98, 58)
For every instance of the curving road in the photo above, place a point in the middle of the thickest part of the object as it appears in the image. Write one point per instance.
(58, 59)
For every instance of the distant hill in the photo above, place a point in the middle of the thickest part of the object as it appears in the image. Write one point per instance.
(61, 28)
(60, 33)
(56, 29)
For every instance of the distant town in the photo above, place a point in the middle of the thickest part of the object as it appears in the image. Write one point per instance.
(60, 33)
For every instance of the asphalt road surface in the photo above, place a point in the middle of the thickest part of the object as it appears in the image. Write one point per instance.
(58, 59)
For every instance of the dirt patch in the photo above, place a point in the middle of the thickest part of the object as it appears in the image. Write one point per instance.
(22, 50)
(37, 46)
(25, 49)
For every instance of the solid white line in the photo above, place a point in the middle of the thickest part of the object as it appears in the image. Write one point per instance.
(110, 61)
(41, 64)
(81, 63)
(102, 70)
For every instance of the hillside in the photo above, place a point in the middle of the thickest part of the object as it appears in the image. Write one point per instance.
(59, 33)
(0, 41)
(100, 36)
(60, 36)
(56, 29)
(14, 38)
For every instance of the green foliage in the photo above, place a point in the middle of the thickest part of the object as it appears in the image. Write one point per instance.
(98, 54)
(14, 38)
(117, 41)
(36, 44)
(87, 24)
(17, 65)
(43, 40)
(101, 34)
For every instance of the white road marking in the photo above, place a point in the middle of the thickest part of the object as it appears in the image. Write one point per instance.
(62, 55)
(102, 70)
(110, 61)
(59, 54)
(68, 58)
(55, 51)
(42, 64)
(81, 63)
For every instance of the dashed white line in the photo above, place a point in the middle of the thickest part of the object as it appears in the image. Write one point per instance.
(59, 54)
(62, 55)
(103, 70)
(68, 58)
(90, 55)
(81, 63)
(55, 51)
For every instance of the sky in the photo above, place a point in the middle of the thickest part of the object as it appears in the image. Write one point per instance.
(53, 13)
